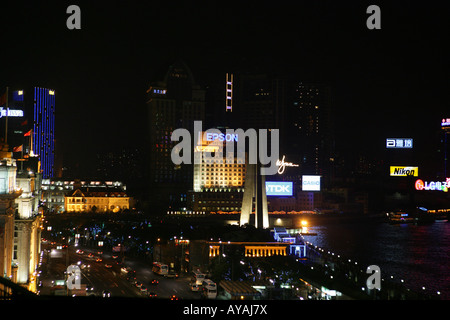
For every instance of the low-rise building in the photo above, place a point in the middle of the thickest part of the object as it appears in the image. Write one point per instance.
(96, 201)
(59, 195)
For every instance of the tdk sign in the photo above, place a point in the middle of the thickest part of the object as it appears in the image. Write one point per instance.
(279, 188)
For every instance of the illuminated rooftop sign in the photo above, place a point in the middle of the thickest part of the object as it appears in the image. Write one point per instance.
(404, 171)
(399, 143)
(445, 122)
(432, 185)
(279, 188)
(10, 112)
(311, 183)
(212, 136)
(282, 165)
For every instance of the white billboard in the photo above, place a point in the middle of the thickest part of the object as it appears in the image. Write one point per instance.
(311, 183)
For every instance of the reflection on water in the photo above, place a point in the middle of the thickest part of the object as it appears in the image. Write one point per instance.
(418, 254)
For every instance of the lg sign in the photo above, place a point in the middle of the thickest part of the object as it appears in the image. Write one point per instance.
(279, 188)
(432, 185)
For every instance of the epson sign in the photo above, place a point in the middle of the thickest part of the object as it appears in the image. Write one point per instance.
(279, 188)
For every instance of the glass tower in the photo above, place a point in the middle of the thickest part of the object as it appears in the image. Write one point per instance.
(44, 129)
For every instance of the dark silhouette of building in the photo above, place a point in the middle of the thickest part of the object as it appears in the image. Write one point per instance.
(176, 102)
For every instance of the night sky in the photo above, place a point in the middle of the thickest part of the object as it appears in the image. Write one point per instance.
(392, 82)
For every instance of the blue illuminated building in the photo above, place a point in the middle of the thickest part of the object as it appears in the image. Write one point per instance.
(44, 129)
(38, 118)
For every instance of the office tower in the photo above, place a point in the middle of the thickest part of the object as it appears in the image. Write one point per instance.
(35, 129)
(259, 101)
(312, 131)
(212, 173)
(176, 102)
(44, 129)
(218, 185)
(445, 145)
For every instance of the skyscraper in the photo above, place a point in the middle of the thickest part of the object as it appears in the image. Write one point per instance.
(312, 131)
(35, 130)
(44, 129)
(172, 103)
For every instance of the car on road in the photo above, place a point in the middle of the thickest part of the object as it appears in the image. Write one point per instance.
(194, 287)
(89, 289)
(154, 282)
(108, 266)
(172, 274)
(143, 289)
(106, 294)
(152, 294)
(138, 284)
(174, 297)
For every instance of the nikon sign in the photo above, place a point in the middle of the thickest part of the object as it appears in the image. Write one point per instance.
(404, 171)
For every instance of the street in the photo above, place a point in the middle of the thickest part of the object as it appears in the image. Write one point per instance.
(102, 273)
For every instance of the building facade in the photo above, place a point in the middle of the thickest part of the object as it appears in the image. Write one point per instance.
(8, 194)
(176, 102)
(35, 129)
(96, 201)
(312, 130)
(218, 185)
(55, 191)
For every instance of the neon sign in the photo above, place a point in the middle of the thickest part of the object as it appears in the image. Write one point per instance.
(445, 122)
(279, 188)
(404, 171)
(282, 165)
(10, 112)
(211, 136)
(311, 183)
(400, 143)
(432, 185)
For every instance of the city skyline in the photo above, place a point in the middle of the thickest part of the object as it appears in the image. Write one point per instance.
(225, 151)
(101, 72)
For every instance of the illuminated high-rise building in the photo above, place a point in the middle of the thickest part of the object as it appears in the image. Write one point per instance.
(35, 129)
(218, 185)
(44, 129)
(445, 128)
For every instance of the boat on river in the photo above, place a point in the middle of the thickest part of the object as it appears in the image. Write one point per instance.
(400, 217)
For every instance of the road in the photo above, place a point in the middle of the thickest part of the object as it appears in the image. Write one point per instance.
(111, 278)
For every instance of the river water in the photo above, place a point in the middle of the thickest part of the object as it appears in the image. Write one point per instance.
(418, 254)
